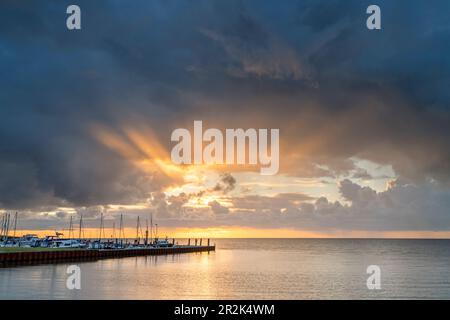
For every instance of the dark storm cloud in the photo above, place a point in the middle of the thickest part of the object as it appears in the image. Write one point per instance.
(311, 68)
(217, 208)
(226, 184)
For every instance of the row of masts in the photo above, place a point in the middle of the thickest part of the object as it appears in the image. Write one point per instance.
(80, 229)
(6, 225)
(148, 234)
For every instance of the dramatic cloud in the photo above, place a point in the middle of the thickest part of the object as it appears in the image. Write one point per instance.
(265, 203)
(402, 206)
(227, 183)
(356, 194)
(217, 208)
(73, 105)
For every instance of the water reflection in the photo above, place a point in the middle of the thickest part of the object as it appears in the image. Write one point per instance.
(250, 269)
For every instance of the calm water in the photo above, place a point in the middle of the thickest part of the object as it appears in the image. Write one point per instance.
(251, 269)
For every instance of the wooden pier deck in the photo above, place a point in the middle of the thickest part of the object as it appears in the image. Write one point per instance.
(8, 259)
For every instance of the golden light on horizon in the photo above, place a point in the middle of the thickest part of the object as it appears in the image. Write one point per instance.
(185, 233)
(247, 232)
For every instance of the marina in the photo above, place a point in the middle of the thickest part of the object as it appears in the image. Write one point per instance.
(30, 249)
(20, 258)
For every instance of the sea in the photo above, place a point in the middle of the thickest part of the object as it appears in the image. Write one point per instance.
(252, 269)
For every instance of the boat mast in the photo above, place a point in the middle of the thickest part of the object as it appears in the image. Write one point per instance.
(151, 227)
(8, 217)
(146, 232)
(121, 232)
(71, 228)
(81, 226)
(114, 230)
(101, 227)
(2, 227)
(138, 226)
(15, 225)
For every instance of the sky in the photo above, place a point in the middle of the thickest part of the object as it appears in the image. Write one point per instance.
(364, 116)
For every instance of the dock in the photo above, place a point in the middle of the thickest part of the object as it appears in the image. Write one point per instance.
(9, 259)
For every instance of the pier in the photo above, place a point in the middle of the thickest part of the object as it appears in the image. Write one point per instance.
(29, 249)
(20, 258)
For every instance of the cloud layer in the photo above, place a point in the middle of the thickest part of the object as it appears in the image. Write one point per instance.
(336, 90)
